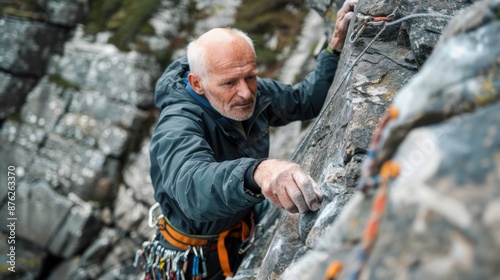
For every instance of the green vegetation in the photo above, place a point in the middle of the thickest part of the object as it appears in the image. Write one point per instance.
(262, 19)
(27, 9)
(16, 116)
(127, 19)
(60, 81)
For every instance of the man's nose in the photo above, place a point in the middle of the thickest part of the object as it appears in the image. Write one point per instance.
(243, 89)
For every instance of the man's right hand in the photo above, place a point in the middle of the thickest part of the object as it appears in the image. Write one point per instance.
(287, 186)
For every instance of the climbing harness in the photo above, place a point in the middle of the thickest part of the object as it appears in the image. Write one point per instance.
(198, 244)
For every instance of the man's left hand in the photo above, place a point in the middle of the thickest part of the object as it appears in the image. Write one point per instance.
(344, 16)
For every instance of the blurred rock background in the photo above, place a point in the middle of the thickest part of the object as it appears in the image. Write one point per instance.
(76, 112)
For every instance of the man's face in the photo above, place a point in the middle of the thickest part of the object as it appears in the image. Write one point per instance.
(231, 83)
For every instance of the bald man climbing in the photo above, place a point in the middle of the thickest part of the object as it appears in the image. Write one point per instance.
(209, 150)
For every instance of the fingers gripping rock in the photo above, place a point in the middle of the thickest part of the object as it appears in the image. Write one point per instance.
(287, 186)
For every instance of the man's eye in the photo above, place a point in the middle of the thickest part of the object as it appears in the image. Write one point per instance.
(228, 83)
(250, 78)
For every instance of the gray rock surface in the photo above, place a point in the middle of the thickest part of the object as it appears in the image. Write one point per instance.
(136, 175)
(37, 199)
(26, 46)
(77, 232)
(29, 258)
(75, 117)
(9, 84)
(443, 140)
(64, 12)
(45, 105)
(124, 218)
(88, 65)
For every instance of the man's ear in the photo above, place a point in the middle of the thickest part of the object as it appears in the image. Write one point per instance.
(196, 84)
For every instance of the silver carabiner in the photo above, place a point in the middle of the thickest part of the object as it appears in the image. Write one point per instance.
(152, 221)
(358, 30)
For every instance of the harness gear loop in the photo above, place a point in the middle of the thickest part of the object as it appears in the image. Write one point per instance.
(185, 241)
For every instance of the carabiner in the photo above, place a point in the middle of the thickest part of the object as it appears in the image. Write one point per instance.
(357, 32)
(152, 221)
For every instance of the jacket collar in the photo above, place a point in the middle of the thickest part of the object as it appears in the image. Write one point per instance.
(198, 97)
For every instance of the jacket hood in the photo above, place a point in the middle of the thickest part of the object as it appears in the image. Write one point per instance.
(170, 82)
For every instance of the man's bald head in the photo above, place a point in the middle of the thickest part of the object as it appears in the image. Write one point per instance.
(214, 45)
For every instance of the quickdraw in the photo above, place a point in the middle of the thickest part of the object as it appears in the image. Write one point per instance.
(367, 20)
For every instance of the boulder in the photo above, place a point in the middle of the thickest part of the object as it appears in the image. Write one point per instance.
(107, 110)
(65, 228)
(89, 264)
(371, 74)
(89, 132)
(74, 168)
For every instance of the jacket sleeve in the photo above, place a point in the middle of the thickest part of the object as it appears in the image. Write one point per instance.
(305, 99)
(204, 189)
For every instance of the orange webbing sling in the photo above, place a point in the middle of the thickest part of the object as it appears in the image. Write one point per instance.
(182, 240)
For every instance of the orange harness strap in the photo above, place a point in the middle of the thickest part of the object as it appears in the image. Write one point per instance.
(182, 240)
(244, 231)
(177, 239)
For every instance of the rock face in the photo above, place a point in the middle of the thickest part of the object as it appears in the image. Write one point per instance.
(25, 50)
(27, 45)
(75, 114)
(435, 219)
